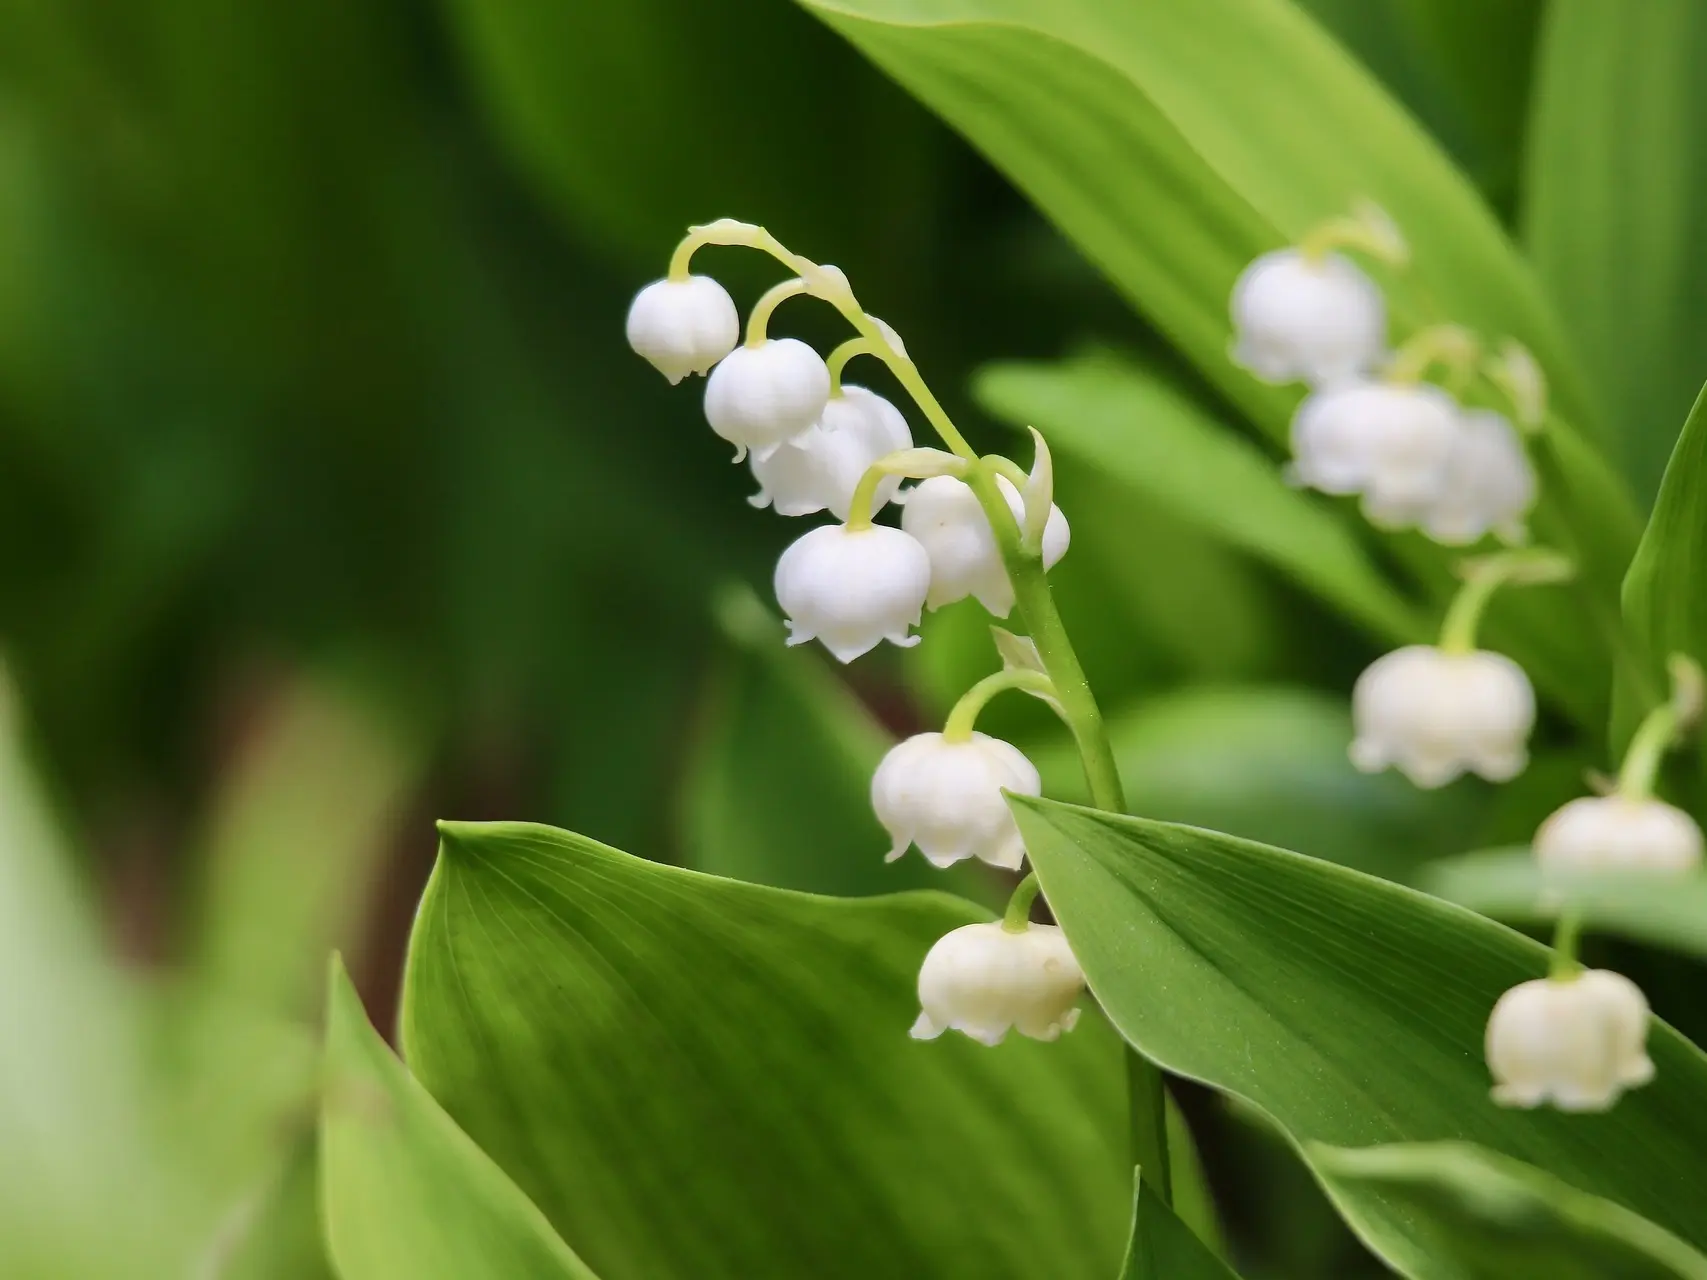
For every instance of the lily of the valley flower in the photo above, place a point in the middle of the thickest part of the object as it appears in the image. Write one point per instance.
(1488, 484)
(853, 588)
(1298, 319)
(945, 516)
(946, 797)
(819, 469)
(1392, 444)
(1577, 1042)
(1434, 714)
(759, 397)
(1619, 833)
(983, 980)
(683, 326)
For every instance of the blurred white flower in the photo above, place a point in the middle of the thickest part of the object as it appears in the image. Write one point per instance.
(944, 514)
(1619, 833)
(946, 797)
(1577, 1042)
(759, 397)
(982, 980)
(853, 588)
(683, 326)
(820, 468)
(1434, 715)
(1488, 483)
(1295, 319)
(1393, 444)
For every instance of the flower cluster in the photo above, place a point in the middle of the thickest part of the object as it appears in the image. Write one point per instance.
(1370, 426)
(816, 445)
(1418, 456)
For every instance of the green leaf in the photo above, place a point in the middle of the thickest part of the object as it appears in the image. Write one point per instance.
(1268, 761)
(405, 1192)
(628, 1039)
(1617, 193)
(778, 787)
(1133, 426)
(1161, 1247)
(1460, 66)
(1348, 1009)
(1664, 608)
(1508, 884)
(1493, 1218)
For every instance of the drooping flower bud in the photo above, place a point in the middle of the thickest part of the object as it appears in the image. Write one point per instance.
(944, 514)
(1488, 483)
(759, 397)
(1392, 444)
(683, 326)
(1577, 1042)
(853, 588)
(820, 468)
(1434, 715)
(1295, 319)
(1619, 833)
(946, 797)
(982, 980)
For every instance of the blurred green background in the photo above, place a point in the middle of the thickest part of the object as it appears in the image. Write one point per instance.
(337, 503)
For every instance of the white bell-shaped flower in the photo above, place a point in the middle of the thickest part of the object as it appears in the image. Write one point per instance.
(944, 514)
(853, 588)
(683, 326)
(981, 979)
(946, 797)
(1390, 443)
(1488, 484)
(820, 468)
(759, 397)
(1319, 322)
(1577, 1042)
(1434, 715)
(1619, 833)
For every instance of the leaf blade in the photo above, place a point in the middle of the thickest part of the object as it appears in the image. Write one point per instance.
(1348, 1009)
(404, 1191)
(591, 1019)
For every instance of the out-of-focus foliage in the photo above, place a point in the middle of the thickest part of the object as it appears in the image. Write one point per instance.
(311, 361)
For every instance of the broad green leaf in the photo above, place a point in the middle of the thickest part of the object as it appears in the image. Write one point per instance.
(1161, 1247)
(1132, 425)
(405, 1192)
(1664, 607)
(1348, 1009)
(1507, 884)
(1493, 1218)
(1268, 761)
(778, 787)
(1460, 66)
(1616, 196)
(628, 1040)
